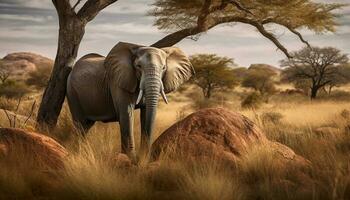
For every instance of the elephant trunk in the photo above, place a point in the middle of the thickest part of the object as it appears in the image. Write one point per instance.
(152, 87)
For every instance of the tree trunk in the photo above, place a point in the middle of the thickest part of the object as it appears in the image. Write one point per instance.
(70, 35)
(314, 91)
(330, 89)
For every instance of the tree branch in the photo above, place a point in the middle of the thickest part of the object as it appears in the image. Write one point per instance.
(63, 8)
(297, 33)
(177, 36)
(260, 28)
(240, 6)
(91, 8)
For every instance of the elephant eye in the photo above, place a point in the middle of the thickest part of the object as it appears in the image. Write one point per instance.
(138, 66)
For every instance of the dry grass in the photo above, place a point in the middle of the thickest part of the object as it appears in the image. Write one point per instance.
(91, 174)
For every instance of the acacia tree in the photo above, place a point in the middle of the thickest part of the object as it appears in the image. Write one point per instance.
(318, 66)
(260, 80)
(72, 24)
(341, 77)
(212, 73)
(185, 19)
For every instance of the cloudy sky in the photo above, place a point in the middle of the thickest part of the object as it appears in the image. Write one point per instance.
(32, 25)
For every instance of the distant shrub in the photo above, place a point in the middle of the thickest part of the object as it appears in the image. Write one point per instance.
(271, 117)
(13, 89)
(252, 101)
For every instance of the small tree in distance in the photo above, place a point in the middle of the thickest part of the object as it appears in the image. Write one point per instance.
(213, 73)
(342, 77)
(318, 66)
(260, 80)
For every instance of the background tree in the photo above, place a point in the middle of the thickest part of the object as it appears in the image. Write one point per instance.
(191, 18)
(213, 73)
(71, 31)
(341, 77)
(261, 80)
(319, 66)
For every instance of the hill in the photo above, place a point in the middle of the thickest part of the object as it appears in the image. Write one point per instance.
(19, 64)
(265, 66)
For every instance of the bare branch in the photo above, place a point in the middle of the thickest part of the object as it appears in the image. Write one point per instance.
(297, 33)
(92, 7)
(260, 28)
(30, 114)
(8, 117)
(240, 6)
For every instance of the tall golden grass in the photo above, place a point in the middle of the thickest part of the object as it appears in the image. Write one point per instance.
(90, 171)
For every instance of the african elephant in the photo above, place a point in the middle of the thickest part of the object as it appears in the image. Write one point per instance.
(130, 77)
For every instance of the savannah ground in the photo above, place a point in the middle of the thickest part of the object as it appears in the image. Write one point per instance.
(317, 130)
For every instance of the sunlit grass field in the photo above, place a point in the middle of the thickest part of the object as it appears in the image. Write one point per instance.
(317, 130)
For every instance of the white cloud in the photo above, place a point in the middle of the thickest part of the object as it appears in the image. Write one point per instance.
(25, 18)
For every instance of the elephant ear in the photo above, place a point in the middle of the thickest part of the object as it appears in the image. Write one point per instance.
(119, 66)
(179, 69)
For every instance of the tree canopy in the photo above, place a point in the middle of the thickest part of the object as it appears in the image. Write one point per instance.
(213, 73)
(190, 18)
(318, 66)
(260, 80)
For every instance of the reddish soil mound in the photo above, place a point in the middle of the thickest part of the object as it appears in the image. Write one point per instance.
(38, 150)
(210, 133)
(216, 134)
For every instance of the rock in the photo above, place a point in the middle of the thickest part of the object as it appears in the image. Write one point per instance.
(21, 63)
(216, 134)
(287, 158)
(208, 134)
(39, 150)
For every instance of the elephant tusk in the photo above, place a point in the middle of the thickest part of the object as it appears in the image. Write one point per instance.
(139, 97)
(164, 96)
(163, 93)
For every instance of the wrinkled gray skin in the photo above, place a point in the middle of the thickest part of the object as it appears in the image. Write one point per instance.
(130, 77)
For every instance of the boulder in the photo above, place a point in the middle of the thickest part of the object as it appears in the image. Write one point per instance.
(208, 134)
(216, 134)
(19, 64)
(18, 145)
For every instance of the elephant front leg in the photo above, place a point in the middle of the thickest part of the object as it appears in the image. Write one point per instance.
(126, 123)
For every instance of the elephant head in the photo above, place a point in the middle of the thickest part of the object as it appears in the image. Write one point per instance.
(148, 71)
